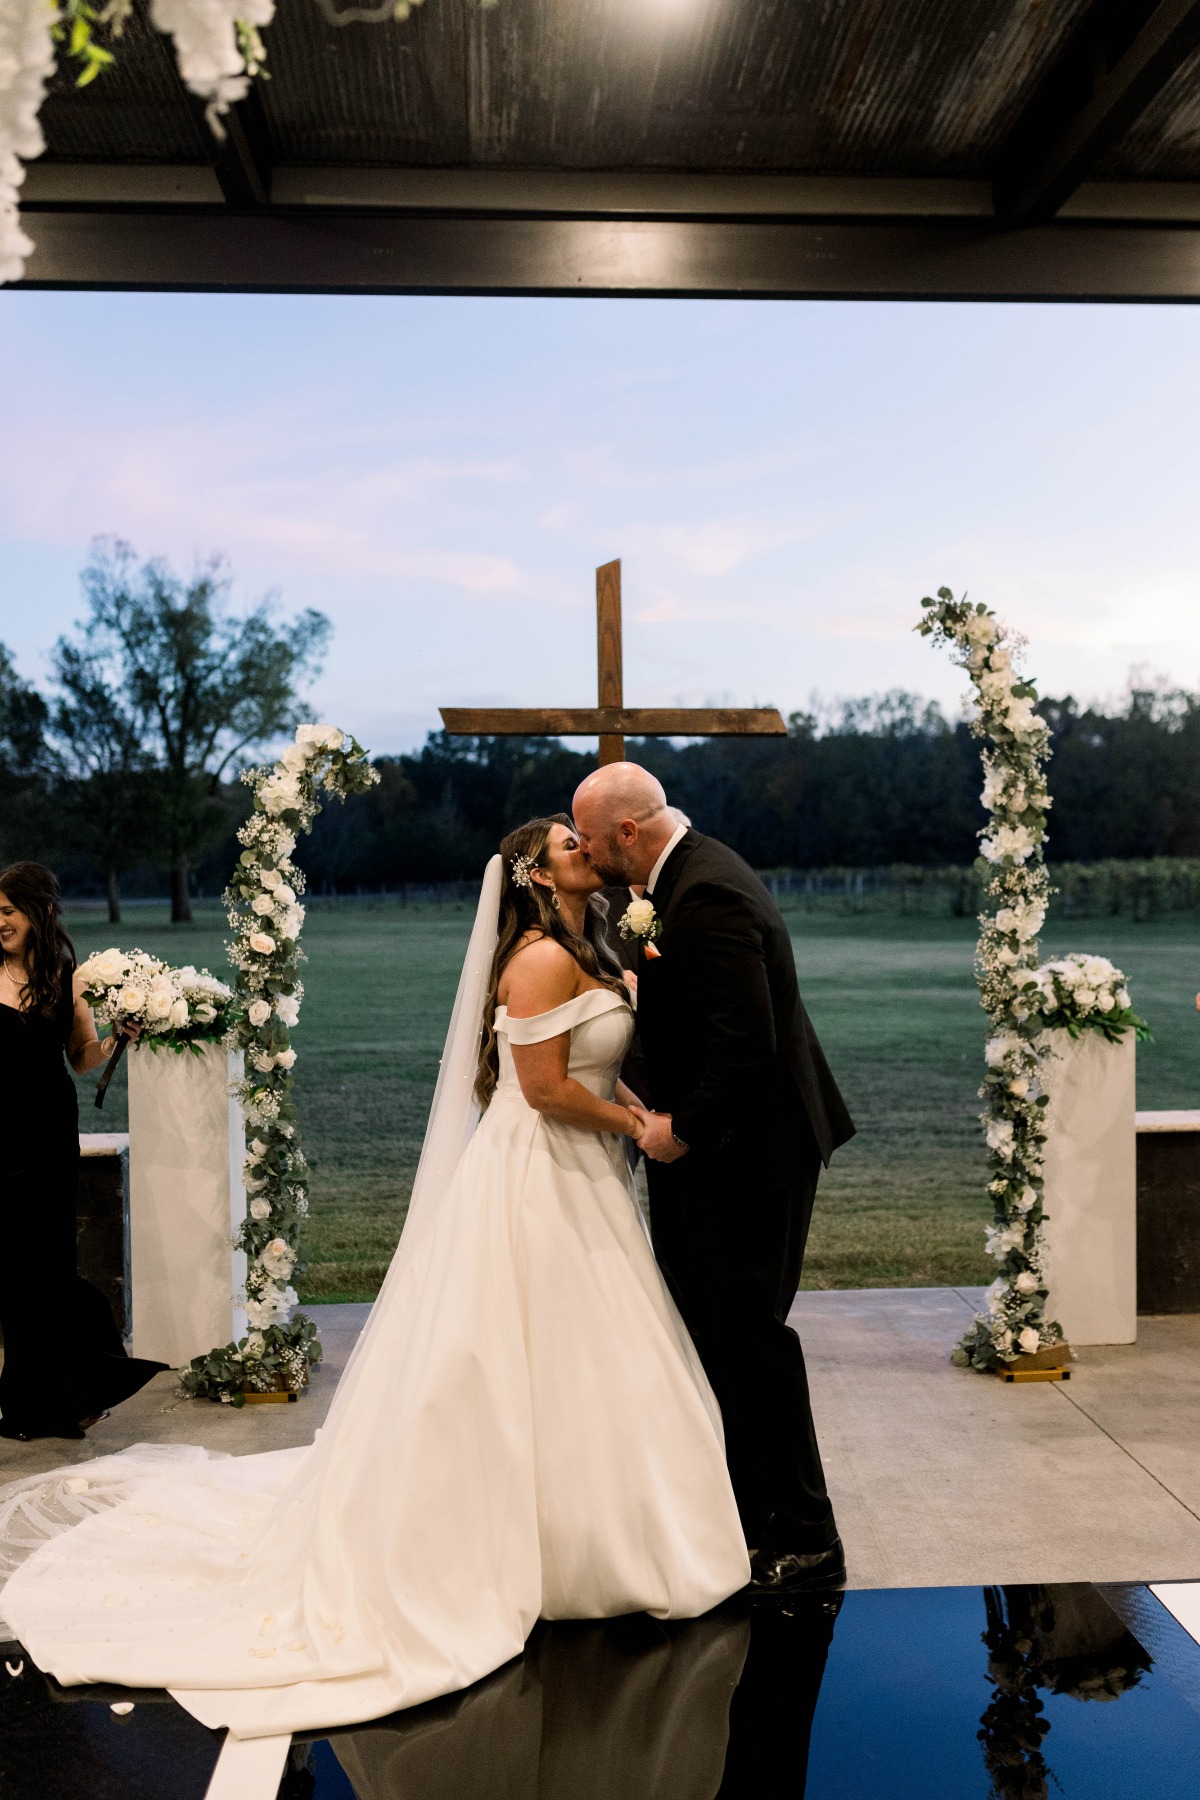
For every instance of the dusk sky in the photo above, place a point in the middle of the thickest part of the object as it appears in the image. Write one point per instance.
(783, 482)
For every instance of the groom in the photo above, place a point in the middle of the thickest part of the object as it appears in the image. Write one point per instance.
(745, 1114)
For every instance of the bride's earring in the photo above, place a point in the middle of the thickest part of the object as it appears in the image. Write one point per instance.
(554, 899)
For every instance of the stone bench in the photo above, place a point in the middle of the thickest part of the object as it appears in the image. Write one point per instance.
(1168, 1212)
(102, 1219)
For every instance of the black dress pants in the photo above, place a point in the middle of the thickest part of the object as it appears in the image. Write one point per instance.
(729, 1229)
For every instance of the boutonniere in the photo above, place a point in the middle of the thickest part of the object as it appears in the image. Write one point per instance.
(640, 921)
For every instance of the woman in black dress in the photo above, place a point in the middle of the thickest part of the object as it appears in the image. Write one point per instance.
(64, 1362)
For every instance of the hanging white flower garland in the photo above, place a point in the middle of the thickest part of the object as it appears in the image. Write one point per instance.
(26, 65)
(218, 48)
(266, 914)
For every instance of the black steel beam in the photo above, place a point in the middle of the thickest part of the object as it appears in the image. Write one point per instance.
(309, 251)
(241, 158)
(1122, 54)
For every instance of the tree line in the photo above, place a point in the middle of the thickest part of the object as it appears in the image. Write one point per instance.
(124, 773)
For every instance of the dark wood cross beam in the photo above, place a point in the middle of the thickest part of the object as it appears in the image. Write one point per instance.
(610, 719)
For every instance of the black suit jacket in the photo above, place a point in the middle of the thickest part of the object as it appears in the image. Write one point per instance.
(724, 1034)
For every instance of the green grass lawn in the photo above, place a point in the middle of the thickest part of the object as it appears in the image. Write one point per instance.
(894, 1002)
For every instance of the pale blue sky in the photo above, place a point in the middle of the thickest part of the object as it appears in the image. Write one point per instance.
(782, 481)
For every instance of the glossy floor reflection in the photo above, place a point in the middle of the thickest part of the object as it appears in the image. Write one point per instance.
(1016, 1693)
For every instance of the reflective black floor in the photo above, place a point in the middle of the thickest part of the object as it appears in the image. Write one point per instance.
(947, 1694)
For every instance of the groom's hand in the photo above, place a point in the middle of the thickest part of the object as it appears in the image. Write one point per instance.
(656, 1140)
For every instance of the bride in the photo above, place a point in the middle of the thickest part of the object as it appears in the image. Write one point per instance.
(524, 1429)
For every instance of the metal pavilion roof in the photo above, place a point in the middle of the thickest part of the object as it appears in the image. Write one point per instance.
(1037, 148)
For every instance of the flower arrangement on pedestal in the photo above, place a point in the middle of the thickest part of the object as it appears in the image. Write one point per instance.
(1023, 1000)
(266, 915)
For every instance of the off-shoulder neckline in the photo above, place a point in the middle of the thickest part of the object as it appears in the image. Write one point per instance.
(605, 994)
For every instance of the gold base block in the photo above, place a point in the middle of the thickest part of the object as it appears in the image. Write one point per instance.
(1034, 1374)
(252, 1397)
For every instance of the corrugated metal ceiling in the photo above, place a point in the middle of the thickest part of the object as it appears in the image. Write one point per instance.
(904, 87)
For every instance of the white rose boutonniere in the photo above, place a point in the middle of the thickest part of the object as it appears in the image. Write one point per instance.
(640, 921)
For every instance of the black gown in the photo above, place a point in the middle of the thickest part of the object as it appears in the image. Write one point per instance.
(63, 1355)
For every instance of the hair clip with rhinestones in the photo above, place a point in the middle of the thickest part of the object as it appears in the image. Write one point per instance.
(521, 866)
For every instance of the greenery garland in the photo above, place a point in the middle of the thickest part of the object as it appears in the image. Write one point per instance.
(1017, 890)
(1025, 1003)
(266, 915)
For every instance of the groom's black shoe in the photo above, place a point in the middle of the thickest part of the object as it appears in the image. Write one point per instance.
(797, 1572)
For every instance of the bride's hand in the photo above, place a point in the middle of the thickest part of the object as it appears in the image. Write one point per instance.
(638, 1122)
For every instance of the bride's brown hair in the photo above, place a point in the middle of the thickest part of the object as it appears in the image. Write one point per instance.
(530, 907)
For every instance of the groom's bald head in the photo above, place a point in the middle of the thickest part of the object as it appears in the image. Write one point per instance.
(622, 820)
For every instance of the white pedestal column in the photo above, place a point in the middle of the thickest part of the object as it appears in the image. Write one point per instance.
(1091, 1189)
(186, 1198)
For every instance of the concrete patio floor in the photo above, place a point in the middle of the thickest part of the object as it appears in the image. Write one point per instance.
(939, 1476)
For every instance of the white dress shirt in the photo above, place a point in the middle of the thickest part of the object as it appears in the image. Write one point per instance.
(679, 832)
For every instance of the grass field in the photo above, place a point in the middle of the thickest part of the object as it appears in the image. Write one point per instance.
(893, 1000)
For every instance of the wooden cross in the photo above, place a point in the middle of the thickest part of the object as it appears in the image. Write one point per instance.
(610, 719)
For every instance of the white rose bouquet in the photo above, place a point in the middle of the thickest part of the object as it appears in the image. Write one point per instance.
(172, 1009)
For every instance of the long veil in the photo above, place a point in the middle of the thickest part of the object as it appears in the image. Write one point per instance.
(37, 1507)
(454, 1113)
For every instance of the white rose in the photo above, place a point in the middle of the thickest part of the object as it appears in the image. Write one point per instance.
(980, 629)
(1105, 1002)
(331, 737)
(205, 1014)
(280, 793)
(104, 969)
(285, 1058)
(1085, 999)
(1122, 997)
(260, 1209)
(1019, 715)
(1000, 1137)
(1003, 1238)
(270, 878)
(1029, 1343)
(257, 1147)
(293, 758)
(308, 734)
(284, 895)
(293, 919)
(1027, 1282)
(259, 1012)
(132, 998)
(1018, 1086)
(160, 998)
(254, 1344)
(260, 942)
(995, 1295)
(178, 1015)
(262, 904)
(1003, 1341)
(262, 1060)
(997, 1048)
(1025, 1199)
(277, 1259)
(1007, 840)
(287, 1008)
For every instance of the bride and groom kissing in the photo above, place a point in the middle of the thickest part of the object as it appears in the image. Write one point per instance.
(545, 1416)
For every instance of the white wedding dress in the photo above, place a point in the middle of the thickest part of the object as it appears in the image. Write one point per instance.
(524, 1430)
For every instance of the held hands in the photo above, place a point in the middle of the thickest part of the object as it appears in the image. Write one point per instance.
(655, 1139)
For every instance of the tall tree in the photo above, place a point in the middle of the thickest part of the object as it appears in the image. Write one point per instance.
(23, 762)
(108, 793)
(201, 683)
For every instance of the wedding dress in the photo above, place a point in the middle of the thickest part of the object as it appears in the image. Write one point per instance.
(524, 1430)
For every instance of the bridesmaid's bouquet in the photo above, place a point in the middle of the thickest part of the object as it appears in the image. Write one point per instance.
(173, 1009)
